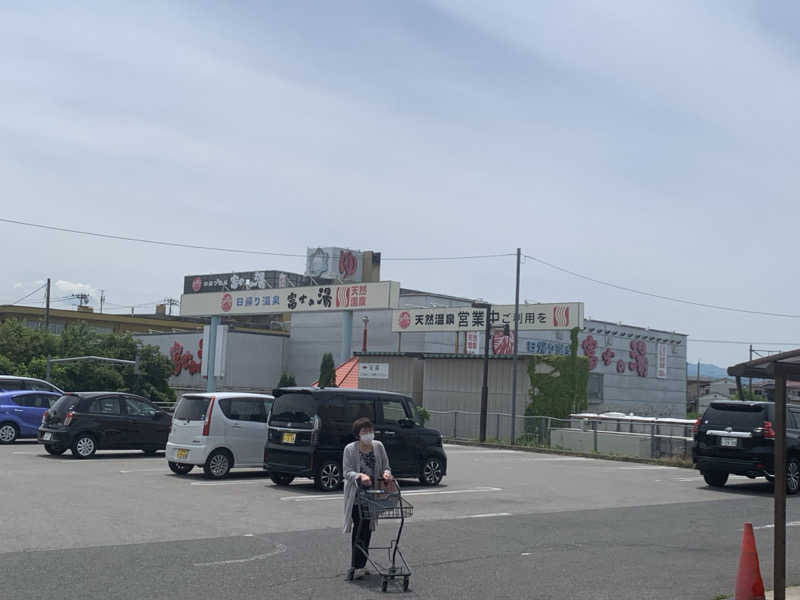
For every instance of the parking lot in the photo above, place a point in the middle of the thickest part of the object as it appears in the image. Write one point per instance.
(503, 524)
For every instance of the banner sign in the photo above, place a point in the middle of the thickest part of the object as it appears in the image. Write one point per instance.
(321, 298)
(340, 264)
(532, 317)
(661, 367)
(472, 339)
(246, 280)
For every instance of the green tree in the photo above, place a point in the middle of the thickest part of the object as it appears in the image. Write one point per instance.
(287, 380)
(327, 371)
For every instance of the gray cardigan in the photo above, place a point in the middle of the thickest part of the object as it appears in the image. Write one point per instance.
(351, 466)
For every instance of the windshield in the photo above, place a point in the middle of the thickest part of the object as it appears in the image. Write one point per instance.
(191, 408)
(294, 408)
(64, 404)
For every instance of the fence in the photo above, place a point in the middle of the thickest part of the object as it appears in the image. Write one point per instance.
(642, 437)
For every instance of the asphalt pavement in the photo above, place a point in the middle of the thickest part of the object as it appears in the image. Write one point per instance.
(503, 524)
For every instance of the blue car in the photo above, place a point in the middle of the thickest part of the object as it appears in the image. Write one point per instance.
(21, 413)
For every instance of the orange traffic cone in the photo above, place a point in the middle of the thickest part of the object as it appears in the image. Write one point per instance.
(749, 585)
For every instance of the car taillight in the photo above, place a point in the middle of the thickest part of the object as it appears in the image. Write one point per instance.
(207, 424)
(68, 418)
(769, 432)
(696, 425)
(44, 416)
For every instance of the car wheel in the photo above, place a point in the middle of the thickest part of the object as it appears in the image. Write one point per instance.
(8, 433)
(150, 451)
(329, 476)
(218, 464)
(180, 468)
(84, 446)
(715, 478)
(432, 471)
(792, 476)
(281, 478)
(55, 450)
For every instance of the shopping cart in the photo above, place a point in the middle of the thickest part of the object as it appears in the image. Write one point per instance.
(384, 502)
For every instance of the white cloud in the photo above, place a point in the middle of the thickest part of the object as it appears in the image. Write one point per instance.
(66, 288)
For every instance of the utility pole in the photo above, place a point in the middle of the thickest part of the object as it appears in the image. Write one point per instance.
(750, 384)
(47, 327)
(514, 361)
(170, 302)
(485, 387)
(697, 387)
(102, 300)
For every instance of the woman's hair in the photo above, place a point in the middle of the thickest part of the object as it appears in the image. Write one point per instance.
(362, 423)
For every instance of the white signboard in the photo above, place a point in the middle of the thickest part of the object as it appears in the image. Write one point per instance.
(532, 317)
(661, 367)
(340, 264)
(373, 370)
(323, 298)
(548, 348)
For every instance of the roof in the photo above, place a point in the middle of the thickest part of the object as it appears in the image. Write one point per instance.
(26, 392)
(443, 355)
(346, 375)
(331, 390)
(224, 395)
(767, 367)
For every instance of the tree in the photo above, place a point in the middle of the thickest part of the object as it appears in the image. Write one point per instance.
(327, 371)
(287, 380)
(24, 351)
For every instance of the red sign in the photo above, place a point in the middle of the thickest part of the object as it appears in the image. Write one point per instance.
(405, 319)
(227, 302)
(184, 360)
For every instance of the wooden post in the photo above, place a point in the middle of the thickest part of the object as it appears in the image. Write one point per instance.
(779, 518)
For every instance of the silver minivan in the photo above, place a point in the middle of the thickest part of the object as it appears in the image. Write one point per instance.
(218, 432)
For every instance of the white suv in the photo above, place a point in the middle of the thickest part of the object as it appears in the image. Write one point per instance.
(218, 432)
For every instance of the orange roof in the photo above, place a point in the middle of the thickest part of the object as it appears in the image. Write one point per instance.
(346, 374)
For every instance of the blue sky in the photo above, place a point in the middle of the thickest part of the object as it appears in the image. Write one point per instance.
(650, 144)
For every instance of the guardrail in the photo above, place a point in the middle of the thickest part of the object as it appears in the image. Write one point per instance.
(642, 437)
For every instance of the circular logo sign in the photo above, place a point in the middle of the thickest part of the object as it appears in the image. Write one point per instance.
(405, 319)
(197, 283)
(227, 302)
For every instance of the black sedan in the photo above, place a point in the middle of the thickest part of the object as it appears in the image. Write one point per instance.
(90, 421)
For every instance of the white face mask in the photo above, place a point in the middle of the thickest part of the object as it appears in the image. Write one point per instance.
(367, 438)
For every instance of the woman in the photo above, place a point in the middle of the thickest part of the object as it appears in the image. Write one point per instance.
(363, 461)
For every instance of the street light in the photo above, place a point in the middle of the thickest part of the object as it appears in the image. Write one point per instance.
(365, 320)
(485, 387)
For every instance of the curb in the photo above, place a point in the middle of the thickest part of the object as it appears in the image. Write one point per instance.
(663, 462)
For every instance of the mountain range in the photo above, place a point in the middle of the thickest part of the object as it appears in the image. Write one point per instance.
(706, 370)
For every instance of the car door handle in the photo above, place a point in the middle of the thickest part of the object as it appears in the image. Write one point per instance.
(236, 426)
(389, 433)
(18, 410)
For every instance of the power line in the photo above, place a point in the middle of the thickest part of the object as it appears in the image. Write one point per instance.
(742, 343)
(661, 297)
(126, 238)
(26, 296)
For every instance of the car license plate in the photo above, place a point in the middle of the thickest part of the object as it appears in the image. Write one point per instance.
(288, 438)
(47, 436)
(729, 442)
(182, 453)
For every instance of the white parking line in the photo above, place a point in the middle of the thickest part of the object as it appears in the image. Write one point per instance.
(160, 470)
(279, 549)
(229, 483)
(31, 453)
(772, 525)
(484, 516)
(410, 493)
(652, 468)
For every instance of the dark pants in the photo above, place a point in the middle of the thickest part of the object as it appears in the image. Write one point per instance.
(362, 537)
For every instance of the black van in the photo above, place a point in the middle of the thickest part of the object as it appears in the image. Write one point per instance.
(308, 429)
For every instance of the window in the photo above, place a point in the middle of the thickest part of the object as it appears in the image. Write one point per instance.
(28, 400)
(359, 406)
(191, 408)
(105, 406)
(793, 422)
(12, 385)
(41, 386)
(138, 408)
(595, 388)
(333, 410)
(393, 410)
(244, 409)
(294, 408)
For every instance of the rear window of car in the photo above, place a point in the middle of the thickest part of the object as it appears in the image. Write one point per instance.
(742, 417)
(65, 403)
(294, 408)
(191, 408)
(12, 385)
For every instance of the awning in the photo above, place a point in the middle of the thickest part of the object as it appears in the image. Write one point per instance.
(785, 363)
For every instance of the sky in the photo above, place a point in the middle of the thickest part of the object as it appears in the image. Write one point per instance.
(648, 144)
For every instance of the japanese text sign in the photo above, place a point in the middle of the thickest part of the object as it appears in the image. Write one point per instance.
(331, 298)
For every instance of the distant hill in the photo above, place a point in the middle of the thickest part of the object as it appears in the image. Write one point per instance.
(706, 370)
